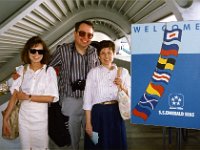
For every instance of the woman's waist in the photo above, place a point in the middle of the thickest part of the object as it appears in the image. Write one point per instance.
(33, 106)
(109, 102)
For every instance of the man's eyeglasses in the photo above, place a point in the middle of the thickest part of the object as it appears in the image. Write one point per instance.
(40, 51)
(83, 34)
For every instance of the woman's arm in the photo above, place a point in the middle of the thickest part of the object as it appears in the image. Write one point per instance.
(88, 127)
(6, 114)
(123, 84)
(11, 104)
(120, 85)
(35, 98)
(41, 99)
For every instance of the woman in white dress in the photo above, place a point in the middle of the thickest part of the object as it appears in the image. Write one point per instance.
(39, 87)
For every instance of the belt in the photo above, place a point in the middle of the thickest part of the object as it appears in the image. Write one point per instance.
(109, 102)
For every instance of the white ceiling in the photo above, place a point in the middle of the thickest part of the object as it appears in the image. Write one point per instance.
(54, 20)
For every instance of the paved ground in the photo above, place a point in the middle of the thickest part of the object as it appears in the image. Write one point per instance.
(140, 137)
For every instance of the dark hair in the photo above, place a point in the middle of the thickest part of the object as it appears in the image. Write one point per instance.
(77, 25)
(34, 41)
(95, 44)
(106, 44)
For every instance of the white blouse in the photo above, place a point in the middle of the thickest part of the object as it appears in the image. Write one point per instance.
(100, 86)
(42, 82)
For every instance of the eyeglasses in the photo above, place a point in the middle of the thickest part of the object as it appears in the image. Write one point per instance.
(40, 51)
(83, 34)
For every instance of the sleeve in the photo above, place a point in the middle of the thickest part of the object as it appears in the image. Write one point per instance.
(52, 84)
(56, 57)
(17, 83)
(126, 78)
(87, 98)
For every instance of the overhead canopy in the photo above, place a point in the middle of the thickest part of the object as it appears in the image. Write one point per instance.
(54, 20)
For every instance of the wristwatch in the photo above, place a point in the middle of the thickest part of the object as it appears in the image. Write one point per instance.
(29, 97)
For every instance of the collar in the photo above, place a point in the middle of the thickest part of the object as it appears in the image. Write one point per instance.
(43, 67)
(90, 49)
(114, 67)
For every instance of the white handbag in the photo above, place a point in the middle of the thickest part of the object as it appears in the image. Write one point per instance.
(123, 101)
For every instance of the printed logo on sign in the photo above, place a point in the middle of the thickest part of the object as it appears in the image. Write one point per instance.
(176, 101)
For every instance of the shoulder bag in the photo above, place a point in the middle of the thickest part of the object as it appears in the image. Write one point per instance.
(13, 118)
(58, 125)
(123, 101)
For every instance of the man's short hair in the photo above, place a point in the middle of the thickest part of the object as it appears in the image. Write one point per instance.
(77, 25)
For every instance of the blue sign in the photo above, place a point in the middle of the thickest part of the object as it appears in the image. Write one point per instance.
(165, 69)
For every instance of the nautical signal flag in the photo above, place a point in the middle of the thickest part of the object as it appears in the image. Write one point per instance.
(168, 50)
(141, 112)
(154, 89)
(174, 34)
(166, 63)
(149, 101)
(161, 77)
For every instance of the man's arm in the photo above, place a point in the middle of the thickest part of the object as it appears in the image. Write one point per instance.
(56, 57)
(15, 75)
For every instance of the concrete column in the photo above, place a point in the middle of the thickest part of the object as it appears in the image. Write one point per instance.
(185, 9)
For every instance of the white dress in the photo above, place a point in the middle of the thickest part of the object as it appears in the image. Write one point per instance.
(33, 123)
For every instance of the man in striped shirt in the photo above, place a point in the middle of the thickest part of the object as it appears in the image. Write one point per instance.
(75, 60)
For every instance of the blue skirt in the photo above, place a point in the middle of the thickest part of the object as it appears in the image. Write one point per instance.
(107, 121)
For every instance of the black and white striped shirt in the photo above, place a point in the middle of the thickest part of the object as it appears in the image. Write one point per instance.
(72, 67)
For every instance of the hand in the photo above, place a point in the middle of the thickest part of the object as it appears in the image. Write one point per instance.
(15, 75)
(22, 96)
(6, 131)
(118, 82)
(88, 129)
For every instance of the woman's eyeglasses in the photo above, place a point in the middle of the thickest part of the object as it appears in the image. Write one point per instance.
(40, 51)
(83, 34)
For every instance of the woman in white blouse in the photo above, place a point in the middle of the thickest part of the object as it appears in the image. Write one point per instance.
(39, 87)
(103, 119)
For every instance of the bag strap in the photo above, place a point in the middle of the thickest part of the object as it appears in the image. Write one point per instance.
(119, 71)
(24, 70)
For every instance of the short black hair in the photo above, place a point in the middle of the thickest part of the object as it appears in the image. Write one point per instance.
(95, 44)
(106, 44)
(77, 24)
